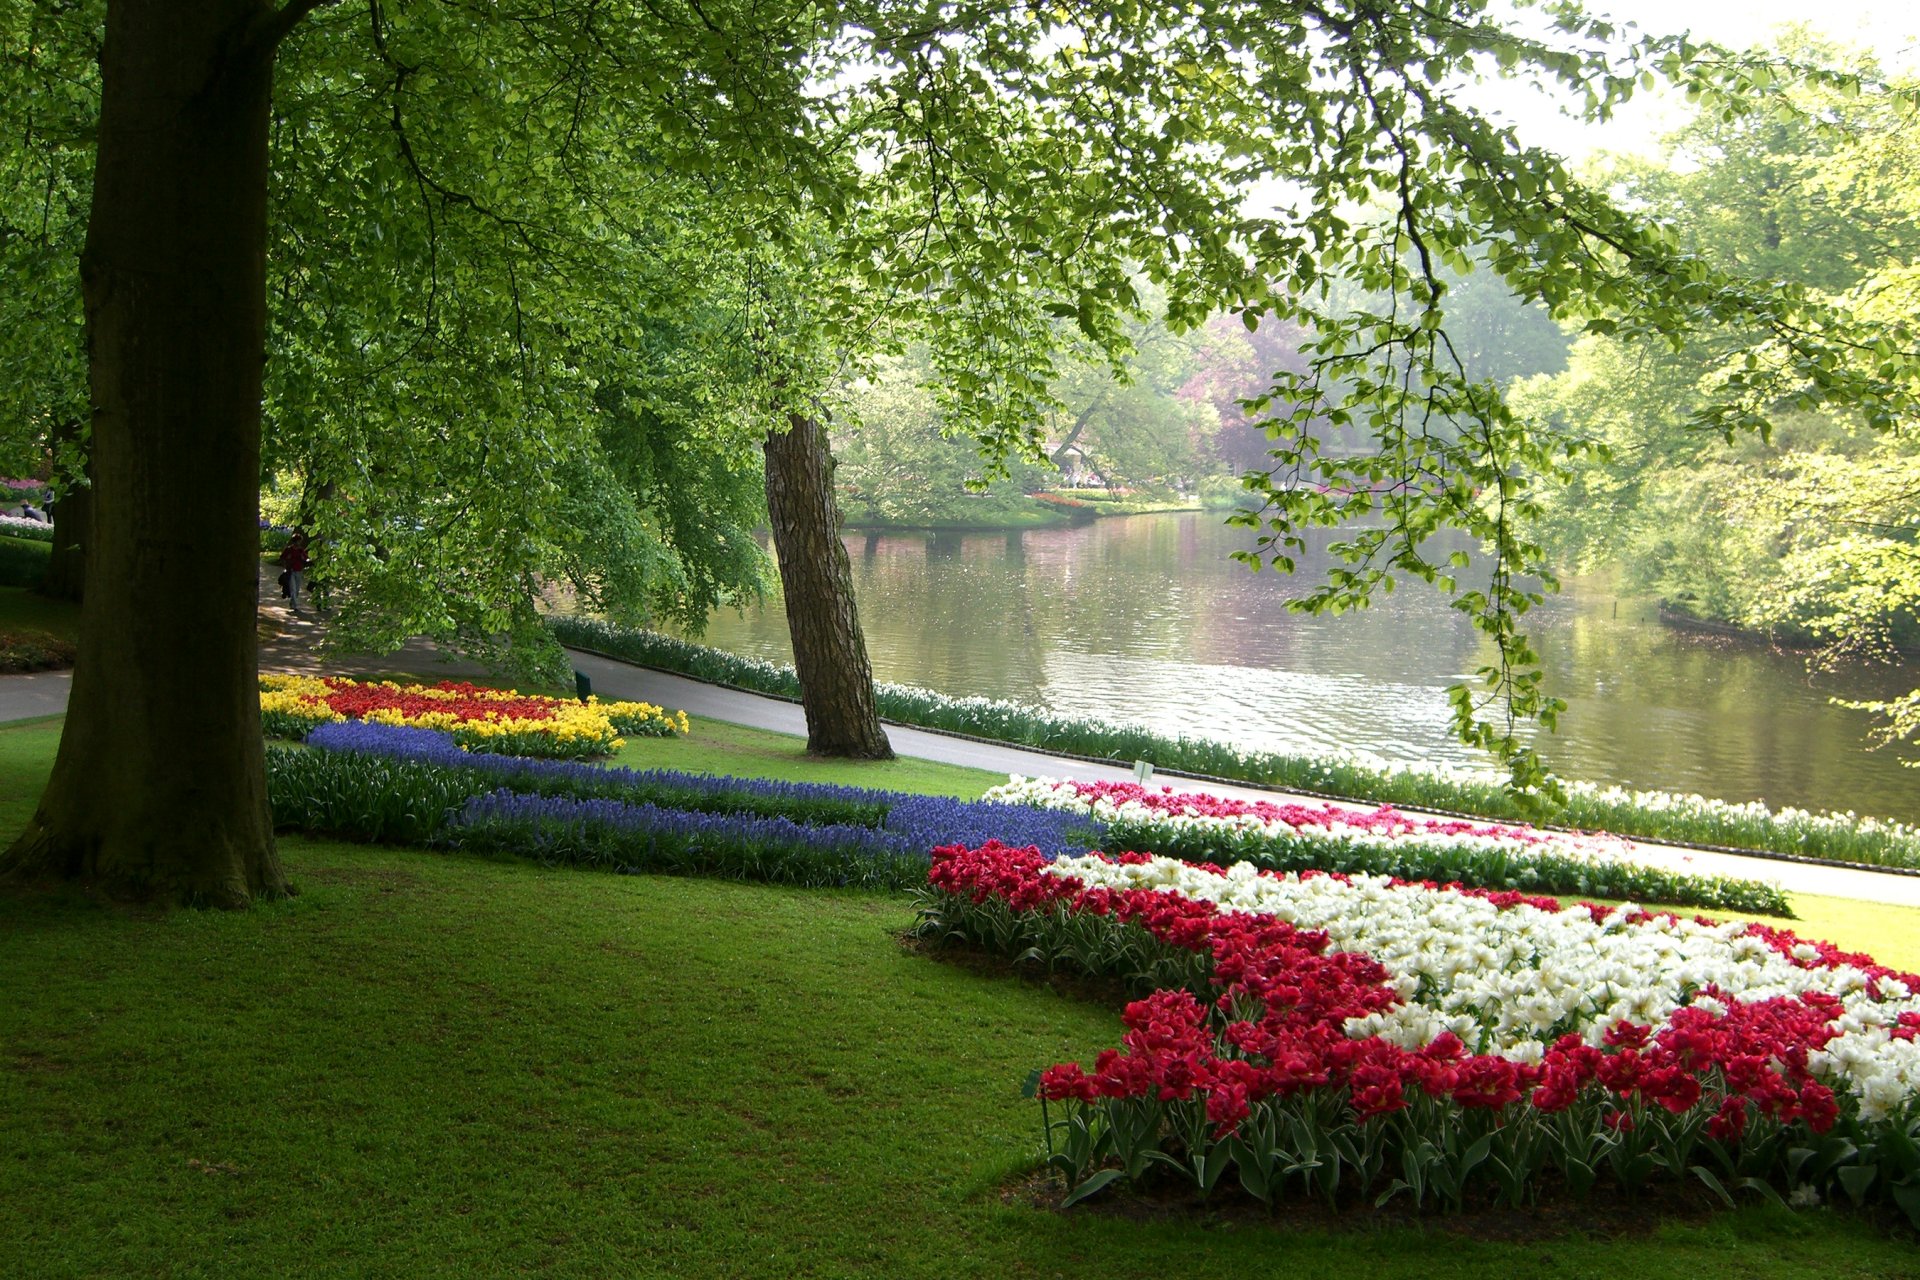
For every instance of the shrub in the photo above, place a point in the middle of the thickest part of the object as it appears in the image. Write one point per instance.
(24, 563)
(26, 650)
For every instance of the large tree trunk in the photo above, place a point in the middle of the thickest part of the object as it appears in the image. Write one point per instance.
(829, 653)
(72, 517)
(158, 791)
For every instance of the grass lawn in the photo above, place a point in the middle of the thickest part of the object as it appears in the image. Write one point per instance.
(716, 746)
(21, 609)
(434, 1065)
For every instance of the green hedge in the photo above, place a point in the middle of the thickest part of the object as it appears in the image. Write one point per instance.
(23, 563)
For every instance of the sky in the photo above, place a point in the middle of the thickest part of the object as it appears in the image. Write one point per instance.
(1889, 28)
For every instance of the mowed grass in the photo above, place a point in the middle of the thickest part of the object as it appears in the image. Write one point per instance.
(433, 1065)
(716, 746)
(437, 1066)
(24, 610)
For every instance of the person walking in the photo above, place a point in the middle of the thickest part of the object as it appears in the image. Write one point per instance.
(293, 560)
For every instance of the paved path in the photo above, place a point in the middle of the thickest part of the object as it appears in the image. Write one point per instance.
(291, 643)
(620, 680)
(40, 693)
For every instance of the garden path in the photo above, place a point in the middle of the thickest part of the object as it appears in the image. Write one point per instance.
(612, 679)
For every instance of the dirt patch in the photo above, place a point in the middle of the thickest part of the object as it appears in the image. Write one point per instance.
(33, 1062)
(1110, 992)
(1606, 1214)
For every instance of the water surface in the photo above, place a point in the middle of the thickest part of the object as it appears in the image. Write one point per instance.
(1148, 619)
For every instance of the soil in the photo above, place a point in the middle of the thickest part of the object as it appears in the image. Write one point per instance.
(1110, 992)
(1605, 1214)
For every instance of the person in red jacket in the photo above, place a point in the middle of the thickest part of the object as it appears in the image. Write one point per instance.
(293, 560)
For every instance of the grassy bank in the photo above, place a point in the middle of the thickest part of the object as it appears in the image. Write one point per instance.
(426, 1066)
(715, 746)
(1046, 509)
(21, 609)
(1099, 502)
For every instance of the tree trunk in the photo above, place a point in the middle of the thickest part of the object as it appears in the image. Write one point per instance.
(158, 792)
(1059, 455)
(72, 514)
(829, 653)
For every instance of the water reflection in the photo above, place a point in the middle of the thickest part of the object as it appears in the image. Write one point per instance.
(1147, 619)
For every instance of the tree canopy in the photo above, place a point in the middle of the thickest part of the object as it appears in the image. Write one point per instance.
(1806, 529)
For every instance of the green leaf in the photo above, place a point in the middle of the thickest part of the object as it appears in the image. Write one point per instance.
(1856, 1180)
(1091, 1186)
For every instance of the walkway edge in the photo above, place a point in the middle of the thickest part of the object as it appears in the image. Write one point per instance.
(1764, 855)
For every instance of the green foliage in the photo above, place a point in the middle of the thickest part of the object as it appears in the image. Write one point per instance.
(1534, 872)
(1128, 423)
(23, 561)
(1805, 531)
(895, 466)
(501, 355)
(47, 110)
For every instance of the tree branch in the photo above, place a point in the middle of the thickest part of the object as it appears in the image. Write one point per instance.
(270, 30)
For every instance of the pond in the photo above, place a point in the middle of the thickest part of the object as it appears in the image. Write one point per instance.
(1147, 619)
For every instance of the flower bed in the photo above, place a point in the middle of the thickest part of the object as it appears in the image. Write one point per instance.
(21, 527)
(810, 802)
(1198, 827)
(489, 720)
(615, 836)
(1361, 1036)
(382, 782)
(29, 650)
(1659, 815)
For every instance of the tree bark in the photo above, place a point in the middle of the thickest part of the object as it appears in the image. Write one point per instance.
(158, 791)
(1059, 455)
(72, 516)
(829, 653)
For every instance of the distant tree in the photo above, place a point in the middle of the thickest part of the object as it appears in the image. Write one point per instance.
(1127, 422)
(900, 463)
(1234, 365)
(1818, 200)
